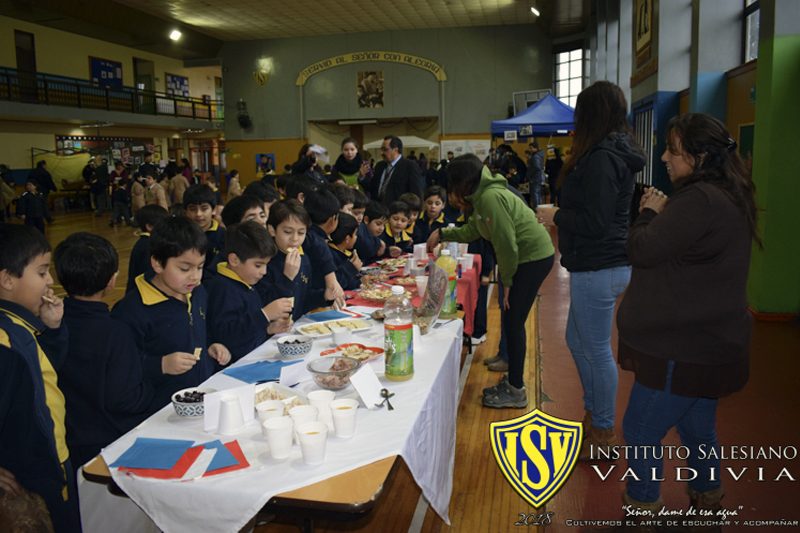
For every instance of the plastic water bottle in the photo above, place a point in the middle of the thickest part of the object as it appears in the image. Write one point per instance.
(447, 263)
(398, 328)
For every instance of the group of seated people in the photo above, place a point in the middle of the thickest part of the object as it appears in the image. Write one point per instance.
(201, 293)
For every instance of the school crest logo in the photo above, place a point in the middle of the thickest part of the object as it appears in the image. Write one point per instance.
(536, 453)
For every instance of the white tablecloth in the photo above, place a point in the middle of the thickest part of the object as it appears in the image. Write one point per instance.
(421, 429)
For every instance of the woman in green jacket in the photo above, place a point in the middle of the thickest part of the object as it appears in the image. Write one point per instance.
(524, 253)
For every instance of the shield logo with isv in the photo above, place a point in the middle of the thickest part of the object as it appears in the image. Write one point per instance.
(536, 453)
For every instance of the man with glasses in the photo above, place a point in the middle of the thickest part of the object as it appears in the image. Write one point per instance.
(395, 175)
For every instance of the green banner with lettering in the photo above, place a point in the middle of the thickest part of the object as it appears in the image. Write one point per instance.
(357, 57)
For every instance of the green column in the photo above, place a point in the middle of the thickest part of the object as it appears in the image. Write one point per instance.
(774, 284)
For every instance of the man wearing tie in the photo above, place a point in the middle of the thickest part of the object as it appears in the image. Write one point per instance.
(395, 175)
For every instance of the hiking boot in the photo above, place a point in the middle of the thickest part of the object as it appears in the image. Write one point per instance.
(597, 438)
(709, 500)
(506, 396)
(491, 360)
(494, 388)
(586, 422)
(498, 366)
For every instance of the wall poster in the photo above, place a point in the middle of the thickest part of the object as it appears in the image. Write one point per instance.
(105, 73)
(176, 85)
(369, 89)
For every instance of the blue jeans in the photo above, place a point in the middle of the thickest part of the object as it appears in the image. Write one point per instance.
(650, 415)
(591, 312)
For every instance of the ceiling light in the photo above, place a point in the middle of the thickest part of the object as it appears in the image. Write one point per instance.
(534, 11)
(175, 35)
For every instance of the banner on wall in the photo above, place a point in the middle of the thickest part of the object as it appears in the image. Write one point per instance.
(356, 57)
(105, 73)
(479, 147)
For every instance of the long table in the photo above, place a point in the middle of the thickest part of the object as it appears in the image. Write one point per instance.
(421, 430)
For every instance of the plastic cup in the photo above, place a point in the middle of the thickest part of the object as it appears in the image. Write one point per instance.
(230, 416)
(301, 414)
(312, 437)
(321, 399)
(279, 432)
(270, 409)
(421, 251)
(462, 248)
(422, 284)
(344, 417)
(341, 336)
(470, 259)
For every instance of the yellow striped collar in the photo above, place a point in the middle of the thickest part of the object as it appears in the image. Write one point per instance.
(439, 219)
(224, 270)
(347, 253)
(404, 237)
(151, 295)
(214, 225)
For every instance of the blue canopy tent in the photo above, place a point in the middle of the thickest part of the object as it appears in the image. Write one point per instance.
(547, 117)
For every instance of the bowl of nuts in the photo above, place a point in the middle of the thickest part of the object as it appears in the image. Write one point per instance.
(294, 346)
(189, 402)
(333, 372)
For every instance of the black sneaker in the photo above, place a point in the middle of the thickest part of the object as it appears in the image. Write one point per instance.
(506, 397)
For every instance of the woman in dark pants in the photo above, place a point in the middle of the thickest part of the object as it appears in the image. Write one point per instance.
(684, 327)
(524, 254)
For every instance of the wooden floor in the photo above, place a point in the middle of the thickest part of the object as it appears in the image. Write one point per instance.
(765, 412)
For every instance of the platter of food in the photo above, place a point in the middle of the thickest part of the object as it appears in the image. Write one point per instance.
(409, 281)
(393, 264)
(379, 294)
(276, 391)
(323, 329)
(355, 351)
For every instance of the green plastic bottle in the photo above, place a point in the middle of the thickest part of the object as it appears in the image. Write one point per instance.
(448, 263)
(398, 328)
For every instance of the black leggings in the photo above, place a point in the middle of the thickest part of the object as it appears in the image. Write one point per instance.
(527, 280)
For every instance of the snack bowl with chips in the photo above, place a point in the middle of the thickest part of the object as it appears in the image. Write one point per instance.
(294, 346)
(189, 402)
(333, 372)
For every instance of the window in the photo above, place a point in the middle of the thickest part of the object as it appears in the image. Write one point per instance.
(751, 20)
(569, 75)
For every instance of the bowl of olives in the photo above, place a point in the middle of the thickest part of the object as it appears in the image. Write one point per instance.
(189, 402)
(294, 346)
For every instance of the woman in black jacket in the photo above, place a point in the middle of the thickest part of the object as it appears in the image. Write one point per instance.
(684, 327)
(592, 220)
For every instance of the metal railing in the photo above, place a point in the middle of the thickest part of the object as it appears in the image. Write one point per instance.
(47, 89)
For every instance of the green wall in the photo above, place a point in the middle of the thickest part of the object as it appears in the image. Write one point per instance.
(484, 66)
(774, 284)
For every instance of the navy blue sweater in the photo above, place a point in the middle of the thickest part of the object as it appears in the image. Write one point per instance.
(305, 297)
(316, 246)
(402, 241)
(140, 260)
(162, 325)
(367, 245)
(424, 227)
(235, 318)
(102, 380)
(216, 245)
(347, 275)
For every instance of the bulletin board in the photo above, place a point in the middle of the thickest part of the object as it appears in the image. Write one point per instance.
(176, 85)
(105, 73)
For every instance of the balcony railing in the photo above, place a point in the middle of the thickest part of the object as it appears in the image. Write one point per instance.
(47, 89)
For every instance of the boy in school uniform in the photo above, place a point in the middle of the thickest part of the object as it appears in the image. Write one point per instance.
(323, 208)
(167, 311)
(103, 381)
(370, 246)
(289, 272)
(31, 206)
(139, 263)
(415, 206)
(432, 217)
(244, 208)
(397, 239)
(346, 196)
(343, 240)
(236, 317)
(199, 202)
(264, 192)
(33, 447)
(360, 202)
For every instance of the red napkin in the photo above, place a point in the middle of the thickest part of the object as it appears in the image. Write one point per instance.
(176, 472)
(236, 450)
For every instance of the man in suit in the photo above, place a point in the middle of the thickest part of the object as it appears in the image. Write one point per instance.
(395, 175)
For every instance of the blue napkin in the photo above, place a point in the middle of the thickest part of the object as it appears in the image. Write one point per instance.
(258, 372)
(331, 314)
(161, 454)
(222, 459)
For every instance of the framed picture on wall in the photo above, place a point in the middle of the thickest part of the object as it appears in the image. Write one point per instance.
(369, 89)
(645, 27)
(176, 85)
(644, 24)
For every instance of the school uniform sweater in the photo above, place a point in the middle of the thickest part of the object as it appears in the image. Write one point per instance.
(216, 244)
(162, 325)
(402, 241)
(103, 380)
(424, 226)
(305, 297)
(235, 318)
(316, 246)
(346, 273)
(367, 245)
(32, 430)
(139, 262)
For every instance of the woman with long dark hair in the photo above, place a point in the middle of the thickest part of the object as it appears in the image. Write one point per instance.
(592, 220)
(524, 254)
(684, 327)
(349, 166)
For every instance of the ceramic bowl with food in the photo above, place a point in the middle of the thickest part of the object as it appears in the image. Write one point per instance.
(189, 402)
(294, 346)
(333, 372)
